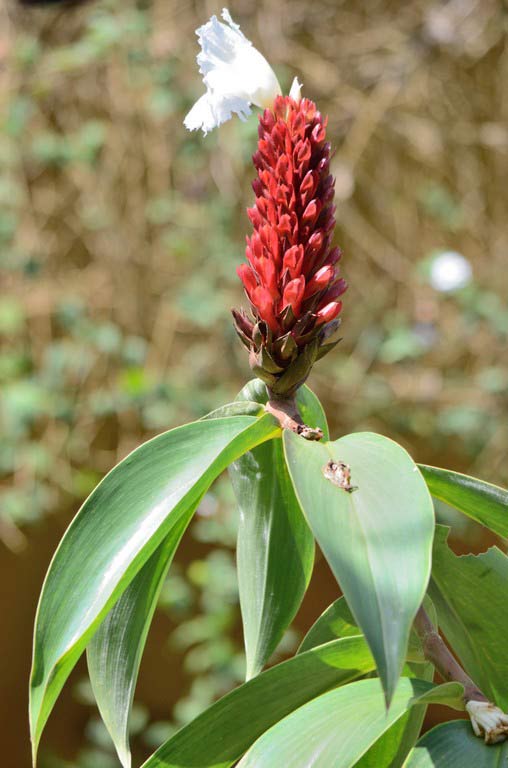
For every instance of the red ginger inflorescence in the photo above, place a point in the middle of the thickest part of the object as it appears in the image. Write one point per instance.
(291, 278)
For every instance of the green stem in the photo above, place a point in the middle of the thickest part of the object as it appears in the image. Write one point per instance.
(286, 412)
(435, 651)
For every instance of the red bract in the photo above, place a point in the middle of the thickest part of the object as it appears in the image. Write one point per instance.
(291, 275)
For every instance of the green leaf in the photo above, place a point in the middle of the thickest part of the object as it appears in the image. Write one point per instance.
(311, 410)
(115, 651)
(337, 728)
(219, 736)
(137, 505)
(394, 745)
(338, 621)
(454, 745)
(377, 538)
(449, 695)
(485, 503)
(240, 408)
(275, 550)
(469, 593)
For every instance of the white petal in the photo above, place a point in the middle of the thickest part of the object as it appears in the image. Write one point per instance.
(234, 72)
(296, 90)
(207, 113)
(227, 18)
(200, 116)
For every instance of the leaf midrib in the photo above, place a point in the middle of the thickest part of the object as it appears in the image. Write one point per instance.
(367, 547)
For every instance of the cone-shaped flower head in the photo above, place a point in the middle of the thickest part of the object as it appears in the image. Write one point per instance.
(235, 74)
(291, 276)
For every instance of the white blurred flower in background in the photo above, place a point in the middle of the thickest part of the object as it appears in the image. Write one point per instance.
(235, 74)
(450, 271)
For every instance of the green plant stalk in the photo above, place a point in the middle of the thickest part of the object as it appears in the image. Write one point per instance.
(435, 651)
(487, 719)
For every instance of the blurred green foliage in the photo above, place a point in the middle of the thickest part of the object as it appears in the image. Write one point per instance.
(120, 234)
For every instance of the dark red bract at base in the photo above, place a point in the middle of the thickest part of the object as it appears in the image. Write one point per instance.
(291, 278)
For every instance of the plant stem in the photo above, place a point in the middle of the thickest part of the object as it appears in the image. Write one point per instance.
(286, 412)
(435, 651)
(487, 719)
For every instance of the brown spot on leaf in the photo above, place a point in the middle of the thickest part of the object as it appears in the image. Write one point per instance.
(339, 473)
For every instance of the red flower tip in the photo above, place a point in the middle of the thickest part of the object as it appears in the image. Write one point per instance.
(247, 277)
(263, 303)
(293, 295)
(328, 312)
(322, 279)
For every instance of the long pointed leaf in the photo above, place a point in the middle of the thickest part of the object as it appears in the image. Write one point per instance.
(470, 594)
(483, 502)
(117, 529)
(377, 537)
(454, 745)
(221, 734)
(115, 651)
(337, 728)
(275, 550)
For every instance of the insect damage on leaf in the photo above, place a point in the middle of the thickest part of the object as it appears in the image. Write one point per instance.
(339, 473)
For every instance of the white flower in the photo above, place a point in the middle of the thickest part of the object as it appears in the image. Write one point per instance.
(488, 721)
(450, 271)
(235, 74)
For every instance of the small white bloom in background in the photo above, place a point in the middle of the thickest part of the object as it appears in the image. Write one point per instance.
(488, 721)
(450, 271)
(235, 74)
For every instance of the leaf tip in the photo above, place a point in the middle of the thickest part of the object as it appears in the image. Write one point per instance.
(33, 715)
(35, 747)
(388, 695)
(389, 682)
(253, 668)
(124, 755)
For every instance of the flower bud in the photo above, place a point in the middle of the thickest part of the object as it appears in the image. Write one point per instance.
(329, 312)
